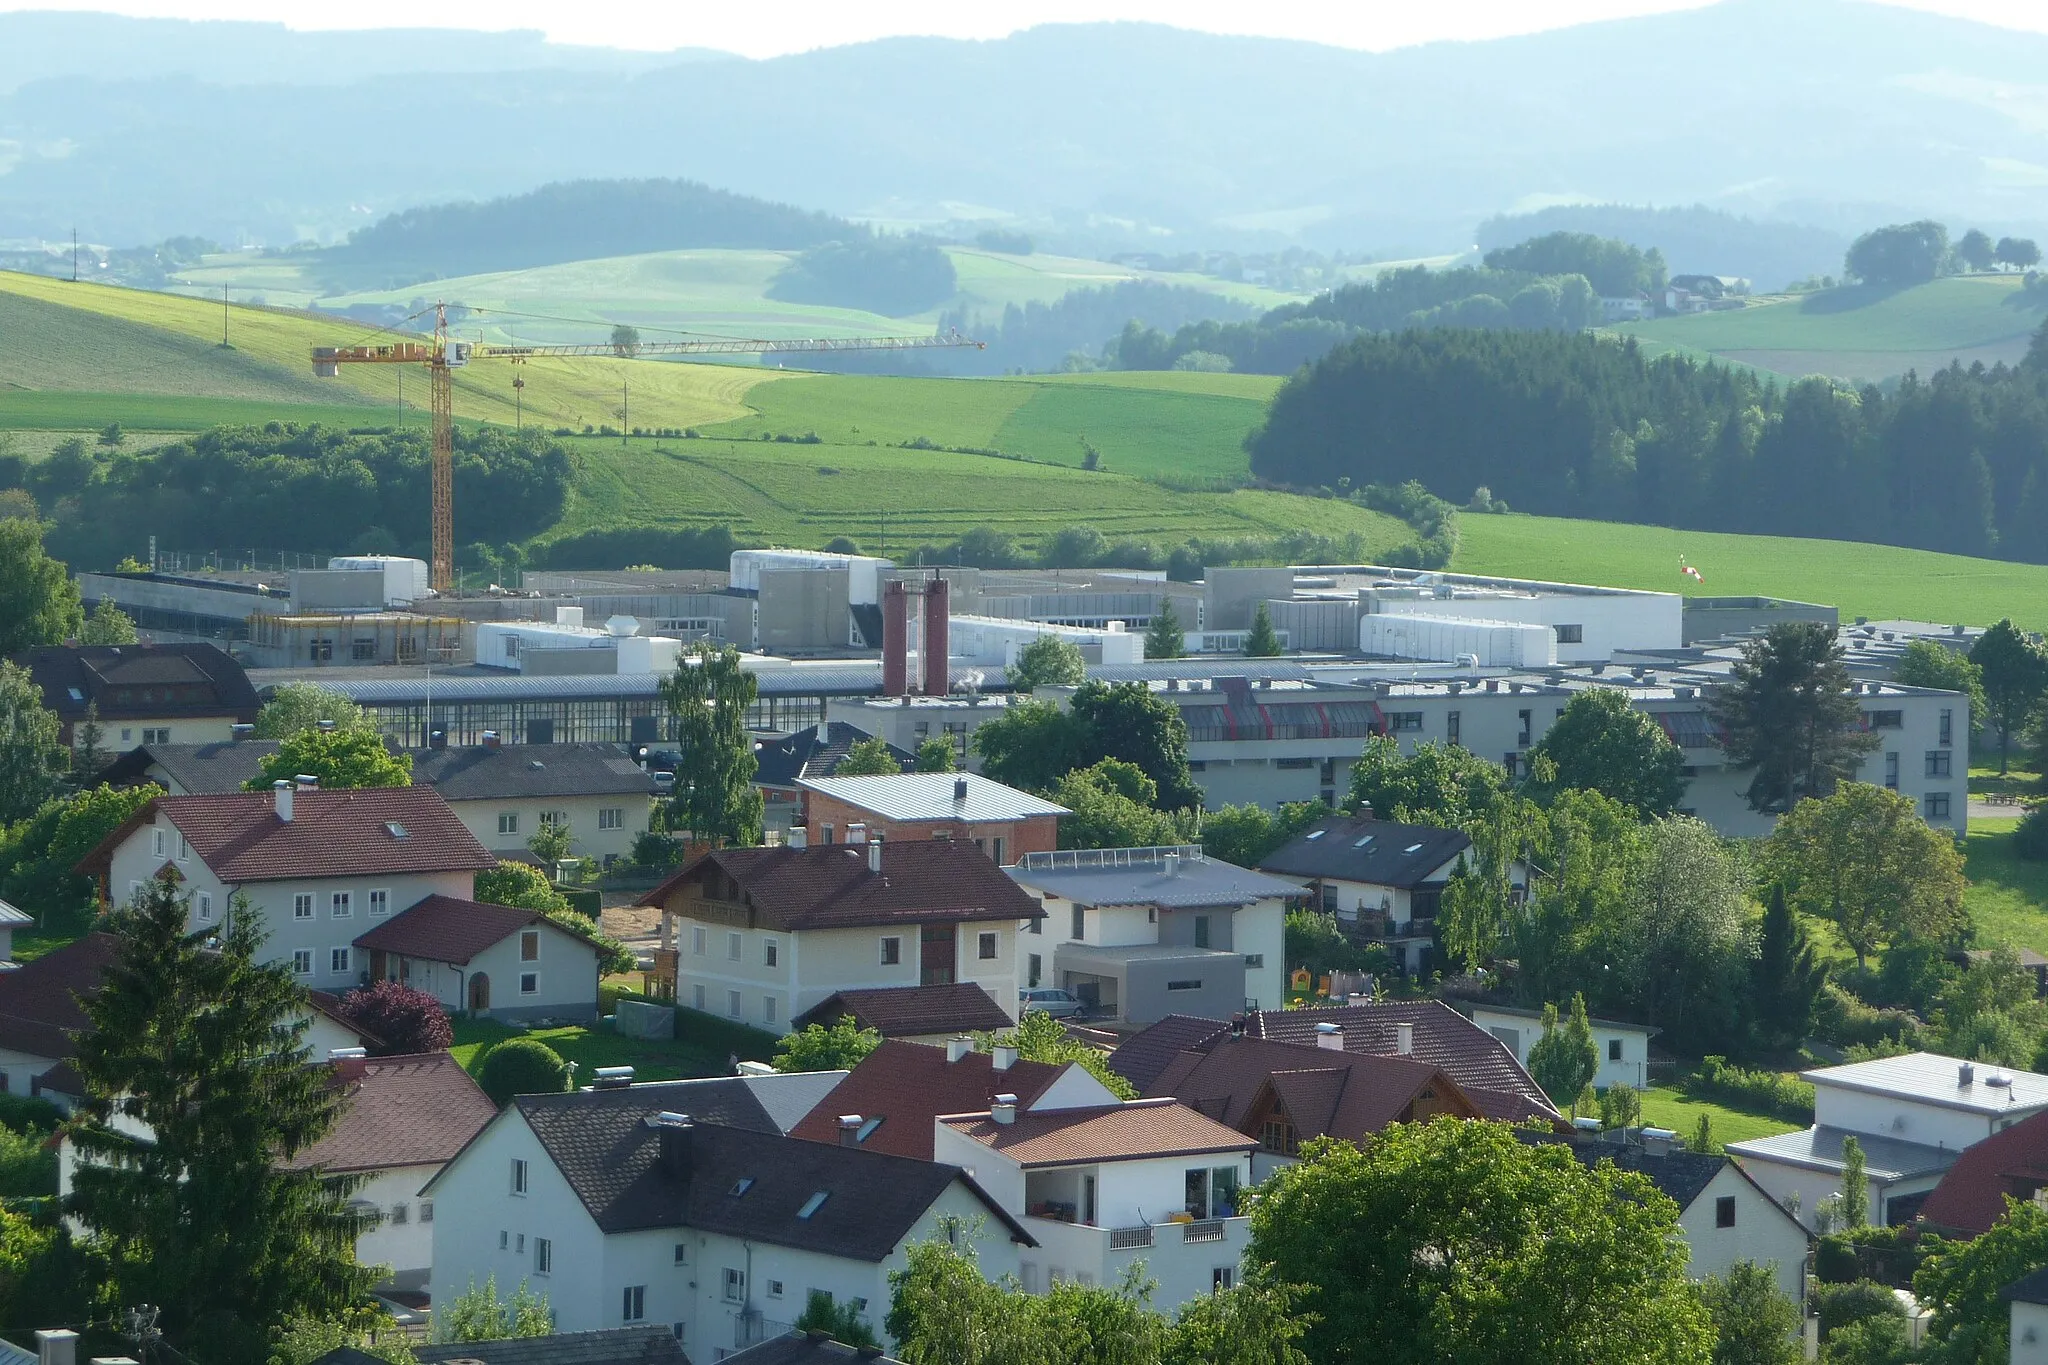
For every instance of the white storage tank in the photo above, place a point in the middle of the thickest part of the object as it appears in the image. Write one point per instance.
(405, 580)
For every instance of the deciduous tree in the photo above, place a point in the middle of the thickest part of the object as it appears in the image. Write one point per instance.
(1439, 784)
(296, 706)
(1962, 1283)
(38, 601)
(2014, 669)
(1754, 1322)
(404, 1019)
(715, 796)
(1928, 663)
(551, 842)
(108, 625)
(936, 755)
(815, 1047)
(1246, 834)
(29, 745)
(1127, 721)
(478, 1314)
(343, 760)
(1864, 860)
(1603, 744)
(1030, 746)
(868, 758)
(1112, 805)
(1565, 1059)
(1039, 1037)
(1049, 661)
(1789, 716)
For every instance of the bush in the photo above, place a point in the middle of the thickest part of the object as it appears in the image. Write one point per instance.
(2030, 840)
(1771, 1092)
(28, 1166)
(1834, 1260)
(1847, 1022)
(522, 1066)
(25, 1115)
(403, 1018)
(1841, 1304)
(655, 850)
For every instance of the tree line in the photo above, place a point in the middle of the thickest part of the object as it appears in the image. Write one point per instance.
(1583, 426)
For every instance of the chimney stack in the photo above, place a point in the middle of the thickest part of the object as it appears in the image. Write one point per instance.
(1966, 1074)
(895, 639)
(281, 795)
(1404, 1039)
(58, 1346)
(1169, 865)
(875, 854)
(959, 789)
(1005, 1056)
(673, 1130)
(938, 614)
(238, 733)
(1004, 1110)
(849, 1130)
(958, 1047)
(1365, 810)
(308, 782)
(857, 832)
(1330, 1036)
(491, 740)
(798, 837)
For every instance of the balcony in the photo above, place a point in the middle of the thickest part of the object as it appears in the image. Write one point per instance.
(1180, 1257)
(1203, 1230)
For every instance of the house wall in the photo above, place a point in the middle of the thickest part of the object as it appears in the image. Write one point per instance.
(1257, 932)
(484, 818)
(407, 1247)
(127, 731)
(1762, 1233)
(18, 1073)
(1521, 1034)
(2029, 1333)
(474, 1208)
(1909, 1120)
(1003, 840)
(565, 977)
(1800, 1190)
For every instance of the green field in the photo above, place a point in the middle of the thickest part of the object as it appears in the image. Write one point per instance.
(2007, 896)
(1863, 580)
(1859, 333)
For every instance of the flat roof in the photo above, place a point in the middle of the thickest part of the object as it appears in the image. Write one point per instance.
(1930, 1078)
(933, 796)
(1820, 1149)
(1516, 1011)
(1180, 877)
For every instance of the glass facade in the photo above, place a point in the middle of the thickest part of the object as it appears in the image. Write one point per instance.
(561, 720)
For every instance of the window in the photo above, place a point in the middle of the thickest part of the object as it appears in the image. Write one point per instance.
(160, 842)
(160, 735)
(302, 906)
(550, 818)
(735, 1285)
(1934, 805)
(1614, 1049)
(320, 650)
(529, 945)
(1570, 635)
(697, 940)
(380, 902)
(1938, 762)
(771, 952)
(1225, 1276)
(1398, 721)
(518, 1175)
(362, 651)
(732, 1004)
(519, 1244)
(697, 998)
(1522, 740)
(399, 1213)
(1887, 720)
(892, 951)
(511, 646)
(1035, 968)
(1724, 1211)
(1451, 726)
(529, 983)
(987, 947)
(813, 1204)
(611, 817)
(1948, 727)
(774, 1289)
(682, 1253)
(206, 907)
(543, 1256)
(302, 962)
(426, 1210)
(1079, 929)
(1277, 1135)
(508, 822)
(734, 946)
(504, 1239)
(634, 1305)
(1509, 762)
(1254, 960)
(1294, 764)
(337, 961)
(1201, 931)
(341, 905)
(1891, 771)
(768, 1009)
(1184, 985)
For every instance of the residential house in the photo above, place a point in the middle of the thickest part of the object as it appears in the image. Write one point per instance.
(142, 694)
(1284, 1094)
(486, 959)
(1724, 1214)
(1382, 879)
(964, 807)
(805, 1348)
(1103, 1188)
(1914, 1116)
(1623, 1048)
(888, 1101)
(10, 920)
(1141, 933)
(917, 1014)
(814, 751)
(765, 934)
(683, 1204)
(404, 1118)
(319, 866)
(1428, 1030)
(2027, 1320)
(2011, 1163)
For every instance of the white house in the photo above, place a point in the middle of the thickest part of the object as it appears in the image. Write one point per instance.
(1911, 1115)
(1624, 1048)
(486, 959)
(684, 1204)
(1141, 933)
(1099, 1189)
(320, 867)
(10, 920)
(2027, 1300)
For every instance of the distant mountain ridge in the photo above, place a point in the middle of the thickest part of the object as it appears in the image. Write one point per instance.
(1854, 112)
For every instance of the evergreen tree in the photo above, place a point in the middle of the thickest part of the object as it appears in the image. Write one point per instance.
(1855, 1190)
(1565, 1059)
(1789, 716)
(2015, 674)
(1263, 642)
(89, 753)
(1784, 979)
(715, 796)
(203, 1048)
(1165, 638)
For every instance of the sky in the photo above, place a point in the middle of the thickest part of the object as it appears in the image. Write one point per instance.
(770, 29)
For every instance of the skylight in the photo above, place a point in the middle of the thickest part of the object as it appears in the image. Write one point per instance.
(742, 1185)
(1362, 843)
(1412, 849)
(394, 829)
(76, 695)
(866, 1129)
(813, 1204)
(1317, 834)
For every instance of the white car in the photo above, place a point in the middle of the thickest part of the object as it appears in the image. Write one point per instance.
(1051, 1000)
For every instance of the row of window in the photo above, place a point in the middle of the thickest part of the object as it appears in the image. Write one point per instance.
(735, 1005)
(341, 904)
(608, 817)
(987, 947)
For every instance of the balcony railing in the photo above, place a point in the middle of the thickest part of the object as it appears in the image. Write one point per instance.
(1202, 1230)
(1130, 1239)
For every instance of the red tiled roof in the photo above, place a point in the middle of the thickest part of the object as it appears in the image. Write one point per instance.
(907, 1085)
(39, 1009)
(414, 1110)
(447, 929)
(896, 1011)
(1116, 1132)
(829, 886)
(331, 834)
(1325, 1092)
(1971, 1196)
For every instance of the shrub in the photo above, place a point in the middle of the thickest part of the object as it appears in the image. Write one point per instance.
(655, 850)
(1847, 1022)
(1841, 1304)
(1769, 1091)
(28, 1166)
(23, 1114)
(403, 1018)
(2030, 840)
(1834, 1260)
(522, 1066)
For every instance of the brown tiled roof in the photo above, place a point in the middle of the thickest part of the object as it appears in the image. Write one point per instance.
(39, 1009)
(1325, 1092)
(448, 929)
(1971, 1196)
(1145, 1055)
(1114, 1132)
(828, 886)
(330, 834)
(413, 1110)
(907, 1085)
(650, 1344)
(144, 680)
(896, 1011)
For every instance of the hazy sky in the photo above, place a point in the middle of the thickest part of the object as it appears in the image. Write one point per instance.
(762, 28)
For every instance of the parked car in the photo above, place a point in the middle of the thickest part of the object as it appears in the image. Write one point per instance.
(1053, 1001)
(664, 783)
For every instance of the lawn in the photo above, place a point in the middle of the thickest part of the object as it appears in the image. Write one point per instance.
(2008, 896)
(704, 1047)
(1667, 1107)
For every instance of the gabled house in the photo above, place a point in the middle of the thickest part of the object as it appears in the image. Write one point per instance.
(917, 1014)
(765, 934)
(1624, 1048)
(631, 1205)
(1284, 1094)
(319, 866)
(486, 959)
(888, 1101)
(1140, 933)
(1105, 1187)
(967, 808)
(1383, 880)
(144, 693)
(11, 919)
(405, 1117)
(1427, 1030)
(2010, 1164)
(816, 751)
(2027, 1318)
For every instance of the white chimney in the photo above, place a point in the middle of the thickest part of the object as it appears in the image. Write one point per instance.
(1004, 1110)
(569, 616)
(1404, 1039)
(875, 854)
(1005, 1056)
(849, 1130)
(798, 837)
(1170, 865)
(308, 782)
(1330, 1036)
(857, 832)
(57, 1346)
(958, 1047)
(281, 793)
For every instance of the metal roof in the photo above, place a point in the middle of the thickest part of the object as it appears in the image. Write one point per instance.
(1820, 1149)
(1930, 1078)
(1143, 876)
(931, 796)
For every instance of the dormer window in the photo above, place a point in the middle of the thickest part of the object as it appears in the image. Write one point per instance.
(813, 1204)
(741, 1186)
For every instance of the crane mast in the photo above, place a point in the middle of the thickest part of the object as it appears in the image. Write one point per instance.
(443, 356)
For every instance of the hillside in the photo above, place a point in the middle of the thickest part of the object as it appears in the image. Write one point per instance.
(1864, 334)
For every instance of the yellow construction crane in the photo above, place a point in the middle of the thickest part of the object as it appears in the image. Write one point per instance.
(443, 356)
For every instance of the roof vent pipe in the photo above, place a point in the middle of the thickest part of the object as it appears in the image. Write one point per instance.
(281, 794)
(238, 733)
(875, 854)
(798, 837)
(1966, 1074)
(308, 782)
(849, 1130)
(857, 832)
(959, 789)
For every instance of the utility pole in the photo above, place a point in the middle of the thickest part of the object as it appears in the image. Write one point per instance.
(74, 254)
(518, 403)
(141, 1329)
(625, 412)
(224, 318)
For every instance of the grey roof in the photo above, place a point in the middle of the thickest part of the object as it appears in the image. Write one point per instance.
(930, 796)
(1931, 1078)
(1472, 1007)
(196, 769)
(1141, 876)
(1377, 852)
(787, 1097)
(813, 752)
(2030, 1288)
(1820, 1149)
(479, 773)
(394, 687)
(10, 917)
(653, 1344)
(799, 1348)
(1681, 1175)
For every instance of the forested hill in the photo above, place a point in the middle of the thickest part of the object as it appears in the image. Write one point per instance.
(1694, 241)
(1582, 426)
(572, 220)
